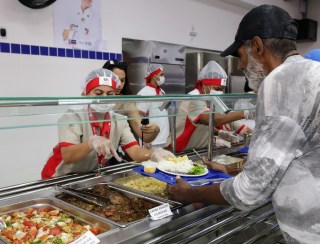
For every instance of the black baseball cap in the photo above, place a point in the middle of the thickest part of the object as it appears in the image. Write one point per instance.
(264, 21)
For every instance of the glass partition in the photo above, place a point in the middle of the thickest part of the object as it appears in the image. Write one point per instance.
(32, 127)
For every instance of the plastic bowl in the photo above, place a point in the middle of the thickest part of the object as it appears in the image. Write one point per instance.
(149, 167)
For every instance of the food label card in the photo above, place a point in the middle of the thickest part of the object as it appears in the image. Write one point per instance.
(87, 238)
(160, 212)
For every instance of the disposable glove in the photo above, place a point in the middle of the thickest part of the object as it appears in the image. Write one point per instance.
(221, 143)
(228, 136)
(103, 146)
(161, 154)
(249, 114)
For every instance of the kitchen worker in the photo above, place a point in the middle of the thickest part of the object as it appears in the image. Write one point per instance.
(192, 128)
(84, 31)
(129, 109)
(154, 80)
(313, 55)
(85, 146)
(283, 159)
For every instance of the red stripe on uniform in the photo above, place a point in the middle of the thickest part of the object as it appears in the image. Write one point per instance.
(54, 161)
(242, 127)
(124, 147)
(183, 140)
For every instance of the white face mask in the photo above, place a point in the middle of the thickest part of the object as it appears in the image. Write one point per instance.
(102, 108)
(214, 92)
(161, 80)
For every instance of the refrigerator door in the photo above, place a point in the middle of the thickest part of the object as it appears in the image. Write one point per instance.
(139, 54)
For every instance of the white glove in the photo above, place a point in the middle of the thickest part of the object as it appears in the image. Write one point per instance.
(249, 114)
(221, 143)
(161, 154)
(103, 146)
(228, 136)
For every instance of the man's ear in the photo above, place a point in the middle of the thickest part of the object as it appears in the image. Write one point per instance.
(257, 47)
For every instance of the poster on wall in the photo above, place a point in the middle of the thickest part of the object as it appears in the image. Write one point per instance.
(77, 24)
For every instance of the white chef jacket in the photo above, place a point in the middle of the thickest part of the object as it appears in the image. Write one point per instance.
(193, 135)
(157, 116)
(284, 155)
(74, 130)
(85, 30)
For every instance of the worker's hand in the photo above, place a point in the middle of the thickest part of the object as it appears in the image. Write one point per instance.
(161, 154)
(221, 143)
(229, 136)
(150, 128)
(179, 191)
(249, 114)
(103, 146)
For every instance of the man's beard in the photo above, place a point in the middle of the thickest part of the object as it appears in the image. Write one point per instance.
(254, 72)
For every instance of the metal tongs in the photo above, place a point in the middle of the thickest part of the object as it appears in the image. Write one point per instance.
(87, 196)
(2, 224)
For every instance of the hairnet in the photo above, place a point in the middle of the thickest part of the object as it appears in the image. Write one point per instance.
(313, 55)
(152, 70)
(212, 74)
(99, 77)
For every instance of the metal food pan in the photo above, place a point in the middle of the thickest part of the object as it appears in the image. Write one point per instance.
(127, 193)
(120, 182)
(80, 216)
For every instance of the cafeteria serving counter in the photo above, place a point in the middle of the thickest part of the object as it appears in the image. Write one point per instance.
(194, 223)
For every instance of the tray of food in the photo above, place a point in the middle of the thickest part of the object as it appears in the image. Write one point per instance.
(233, 164)
(46, 220)
(145, 184)
(121, 208)
(182, 166)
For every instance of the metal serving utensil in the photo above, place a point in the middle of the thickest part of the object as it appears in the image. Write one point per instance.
(205, 181)
(87, 196)
(2, 224)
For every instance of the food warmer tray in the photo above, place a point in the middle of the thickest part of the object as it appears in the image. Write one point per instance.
(131, 194)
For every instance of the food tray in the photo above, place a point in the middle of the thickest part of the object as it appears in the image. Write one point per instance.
(78, 216)
(132, 182)
(99, 214)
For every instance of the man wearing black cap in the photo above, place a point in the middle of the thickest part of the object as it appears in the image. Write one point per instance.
(283, 160)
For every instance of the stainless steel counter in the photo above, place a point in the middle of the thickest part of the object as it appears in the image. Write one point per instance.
(194, 223)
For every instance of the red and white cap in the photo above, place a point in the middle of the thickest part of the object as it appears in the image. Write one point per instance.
(100, 77)
(152, 70)
(212, 74)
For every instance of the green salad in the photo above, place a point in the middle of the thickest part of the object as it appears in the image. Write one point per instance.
(197, 170)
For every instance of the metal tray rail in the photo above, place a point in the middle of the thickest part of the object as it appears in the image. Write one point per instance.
(35, 185)
(126, 193)
(80, 216)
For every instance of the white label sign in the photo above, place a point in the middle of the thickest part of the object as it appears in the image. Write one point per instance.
(160, 212)
(87, 238)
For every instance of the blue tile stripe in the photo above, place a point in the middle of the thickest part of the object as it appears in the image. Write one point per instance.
(25, 49)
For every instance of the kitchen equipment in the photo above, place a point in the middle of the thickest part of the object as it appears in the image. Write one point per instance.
(139, 54)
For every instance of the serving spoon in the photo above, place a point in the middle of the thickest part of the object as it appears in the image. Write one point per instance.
(2, 224)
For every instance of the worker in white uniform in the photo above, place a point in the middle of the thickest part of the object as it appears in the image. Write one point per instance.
(84, 31)
(192, 129)
(154, 79)
(85, 146)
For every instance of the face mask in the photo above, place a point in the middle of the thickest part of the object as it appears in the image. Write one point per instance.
(214, 92)
(161, 80)
(103, 108)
